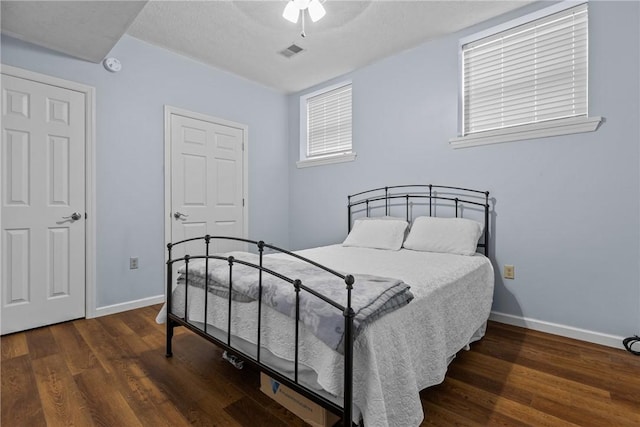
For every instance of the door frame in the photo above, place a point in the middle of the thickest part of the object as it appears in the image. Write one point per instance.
(168, 112)
(89, 178)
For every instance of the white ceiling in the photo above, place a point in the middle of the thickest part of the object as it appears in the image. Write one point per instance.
(244, 37)
(83, 29)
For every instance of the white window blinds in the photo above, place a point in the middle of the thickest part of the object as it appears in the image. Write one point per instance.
(531, 73)
(329, 122)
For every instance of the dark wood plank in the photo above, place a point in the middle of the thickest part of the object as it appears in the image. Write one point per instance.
(465, 402)
(185, 392)
(596, 414)
(206, 359)
(247, 412)
(21, 404)
(572, 369)
(108, 406)
(13, 345)
(123, 363)
(62, 402)
(139, 322)
(146, 397)
(119, 331)
(73, 348)
(522, 378)
(202, 362)
(436, 415)
(105, 347)
(41, 343)
(490, 383)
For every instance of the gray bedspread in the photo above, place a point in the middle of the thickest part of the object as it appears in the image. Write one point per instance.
(371, 298)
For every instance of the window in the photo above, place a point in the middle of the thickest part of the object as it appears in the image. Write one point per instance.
(325, 126)
(526, 79)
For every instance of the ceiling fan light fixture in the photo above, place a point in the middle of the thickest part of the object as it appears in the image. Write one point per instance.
(316, 10)
(295, 8)
(291, 12)
(302, 4)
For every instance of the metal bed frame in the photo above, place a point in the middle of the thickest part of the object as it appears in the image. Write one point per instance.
(391, 198)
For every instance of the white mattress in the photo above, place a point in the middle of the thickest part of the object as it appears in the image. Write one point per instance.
(397, 355)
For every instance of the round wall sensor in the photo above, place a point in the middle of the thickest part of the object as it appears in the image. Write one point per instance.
(112, 64)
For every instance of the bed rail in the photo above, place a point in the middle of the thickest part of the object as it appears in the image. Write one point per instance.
(435, 196)
(346, 411)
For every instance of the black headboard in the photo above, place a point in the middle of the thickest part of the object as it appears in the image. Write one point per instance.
(412, 201)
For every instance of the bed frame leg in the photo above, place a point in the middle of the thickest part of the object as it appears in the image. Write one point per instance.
(170, 327)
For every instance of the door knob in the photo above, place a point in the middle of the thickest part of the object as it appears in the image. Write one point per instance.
(74, 216)
(179, 215)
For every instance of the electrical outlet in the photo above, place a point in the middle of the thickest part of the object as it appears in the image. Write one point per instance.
(509, 272)
(133, 263)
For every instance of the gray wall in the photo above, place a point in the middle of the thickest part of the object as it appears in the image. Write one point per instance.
(566, 208)
(130, 151)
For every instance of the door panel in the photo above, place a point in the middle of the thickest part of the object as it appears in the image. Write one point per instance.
(195, 180)
(206, 183)
(43, 152)
(60, 265)
(17, 268)
(16, 168)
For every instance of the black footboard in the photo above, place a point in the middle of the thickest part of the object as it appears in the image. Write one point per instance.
(346, 411)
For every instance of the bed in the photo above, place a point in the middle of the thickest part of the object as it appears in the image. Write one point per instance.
(368, 368)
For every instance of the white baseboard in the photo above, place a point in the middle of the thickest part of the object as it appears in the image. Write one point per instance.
(129, 305)
(557, 329)
(509, 319)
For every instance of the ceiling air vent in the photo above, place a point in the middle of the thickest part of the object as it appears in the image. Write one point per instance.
(291, 50)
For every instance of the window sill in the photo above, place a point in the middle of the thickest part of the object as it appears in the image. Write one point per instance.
(532, 131)
(338, 158)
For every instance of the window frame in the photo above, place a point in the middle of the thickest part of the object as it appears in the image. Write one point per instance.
(541, 129)
(305, 161)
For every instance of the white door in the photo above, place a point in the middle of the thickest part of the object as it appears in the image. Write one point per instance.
(43, 204)
(207, 183)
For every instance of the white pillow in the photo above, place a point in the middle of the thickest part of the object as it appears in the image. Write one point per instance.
(446, 235)
(377, 233)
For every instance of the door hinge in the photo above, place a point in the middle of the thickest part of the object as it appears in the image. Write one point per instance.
(243, 146)
(243, 203)
(85, 215)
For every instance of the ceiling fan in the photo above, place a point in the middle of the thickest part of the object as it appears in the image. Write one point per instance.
(295, 9)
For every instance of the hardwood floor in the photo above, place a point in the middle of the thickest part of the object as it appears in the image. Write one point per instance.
(111, 371)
